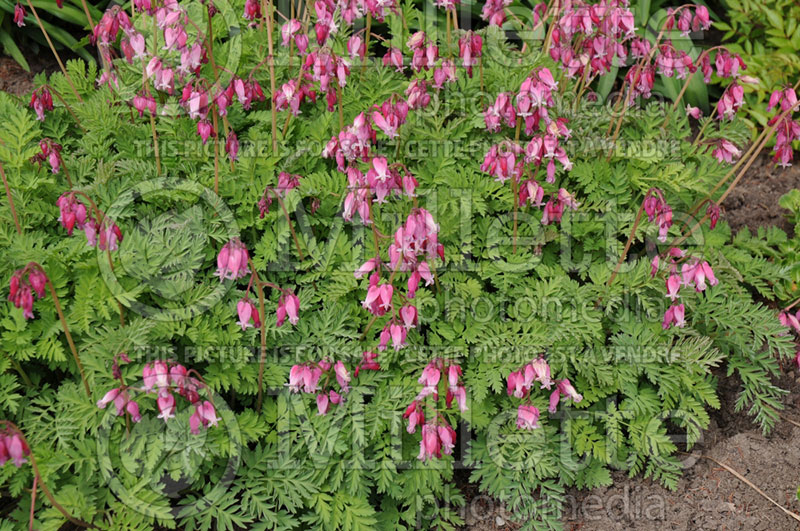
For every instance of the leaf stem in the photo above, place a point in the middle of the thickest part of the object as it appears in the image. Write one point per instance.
(366, 43)
(55, 53)
(271, 63)
(263, 358)
(628, 243)
(57, 304)
(41, 482)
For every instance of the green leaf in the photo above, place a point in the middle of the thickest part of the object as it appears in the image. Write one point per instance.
(10, 47)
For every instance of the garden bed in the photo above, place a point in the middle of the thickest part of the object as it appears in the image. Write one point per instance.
(707, 497)
(630, 365)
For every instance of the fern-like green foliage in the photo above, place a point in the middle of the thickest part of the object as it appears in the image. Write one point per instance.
(646, 391)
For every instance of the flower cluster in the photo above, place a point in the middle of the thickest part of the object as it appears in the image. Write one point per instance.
(352, 144)
(368, 363)
(24, 284)
(381, 180)
(425, 53)
(670, 61)
(292, 94)
(693, 273)
(589, 39)
(520, 383)
(232, 263)
(438, 437)
(328, 70)
(394, 57)
(306, 378)
(724, 150)
(603, 28)
(657, 209)
(50, 152)
(13, 447)
(165, 379)
(494, 12)
(415, 243)
(232, 260)
(100, 231)
(470, 50)
(787, 128)
(509, 161)
(175, 67)
(41, 100)
(388, 117)
(286, 181)
(122, 401)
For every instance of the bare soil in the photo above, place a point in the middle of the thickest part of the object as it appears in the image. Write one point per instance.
(754, 202)
(15, 80)
(708, 497)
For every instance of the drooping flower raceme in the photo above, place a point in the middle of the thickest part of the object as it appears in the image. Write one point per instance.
(693, 273)
(41, 100)
(525, 382)
(317, 378)
(24, 284)
(438, 437)
(165, 379)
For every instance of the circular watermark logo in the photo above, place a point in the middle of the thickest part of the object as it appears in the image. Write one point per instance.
(161, 469)
(170, 227)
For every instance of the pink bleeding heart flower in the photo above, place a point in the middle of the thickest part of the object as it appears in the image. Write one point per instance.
(288, 305)
(694, 112)
(166, 405)
(232, 260)
(408, 314)
(394, 57)
(132, 409)
(323, 402)
(516, 384)
(19, 15)
(342, 376)
(447, 438)
(674, 316)
(204, 130)
(232, 146)
(13, 447)
(248, 314)
(673, 286)
(527, 417)
(415, 416)
(430, 445)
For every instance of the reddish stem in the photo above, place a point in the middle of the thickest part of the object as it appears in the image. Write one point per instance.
(41, 482)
